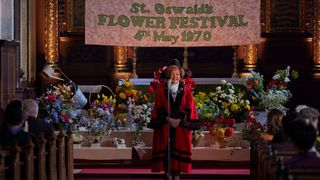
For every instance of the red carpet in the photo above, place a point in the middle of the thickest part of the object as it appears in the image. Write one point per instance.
(147, 171)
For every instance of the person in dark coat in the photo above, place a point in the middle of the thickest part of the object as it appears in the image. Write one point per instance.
(14, 119)
(303, 134)
(36, 126)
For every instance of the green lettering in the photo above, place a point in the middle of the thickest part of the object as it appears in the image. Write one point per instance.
(222, 21)
(134, 8)
(178, 10)
(159, 8)
(124, 21)
(137, 20)
(233, 21)
(102, 19)
(111, 21)
(241, 21)
(174, 21)
(158, 37)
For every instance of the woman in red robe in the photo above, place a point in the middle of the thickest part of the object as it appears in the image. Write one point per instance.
(181, 119)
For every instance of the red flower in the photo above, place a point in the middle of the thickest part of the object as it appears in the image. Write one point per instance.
(271, 83)
(51, 97)
(249, 86)
(229, 122)
(65, 118)
(228, 132)
(150, 89)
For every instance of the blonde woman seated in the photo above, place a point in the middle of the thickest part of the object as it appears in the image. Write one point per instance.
(274, 131)
(36, 126)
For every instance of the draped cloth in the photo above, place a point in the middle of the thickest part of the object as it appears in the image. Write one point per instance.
(182, 107)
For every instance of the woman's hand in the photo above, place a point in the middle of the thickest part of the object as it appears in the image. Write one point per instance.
(174, 122)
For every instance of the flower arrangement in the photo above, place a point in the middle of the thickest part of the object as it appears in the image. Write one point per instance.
(101, 119)
(281, 79)
(277, 93)
(141, 116)
(55, 107)
(126, 93)
(231, 102)
(254, 84)
(252, 127)
(207, 110)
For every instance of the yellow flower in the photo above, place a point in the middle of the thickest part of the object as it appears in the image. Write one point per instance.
(127, 84)
(202, 94)
(122, 96)
(118, 88)
(225, 105)
(199, 105)
(234, 107)
(98, 96)
(127, 92)
(247, 107)
(134, 92)
(220, 132)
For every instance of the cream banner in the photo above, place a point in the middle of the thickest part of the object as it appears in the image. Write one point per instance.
(172, 23)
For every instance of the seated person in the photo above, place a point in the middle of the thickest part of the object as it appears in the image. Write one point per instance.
(14, 119)
(303, 134)
(312, 114)
(274, 130)
(36, 126)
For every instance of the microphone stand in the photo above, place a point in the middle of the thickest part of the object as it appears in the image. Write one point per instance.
(169, 110)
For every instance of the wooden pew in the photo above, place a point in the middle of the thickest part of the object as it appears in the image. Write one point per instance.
(50, 159)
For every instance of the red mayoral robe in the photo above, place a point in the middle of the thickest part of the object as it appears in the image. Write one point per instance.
(182, 107)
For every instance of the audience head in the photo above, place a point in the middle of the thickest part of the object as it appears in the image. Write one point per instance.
(300, 107)
(312, 114)
(274, 121)
(287, 121)
(14, 113)
(31, 107)
(303, 133)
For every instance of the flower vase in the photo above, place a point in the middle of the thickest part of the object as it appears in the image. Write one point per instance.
(221, 143)
(136, 141)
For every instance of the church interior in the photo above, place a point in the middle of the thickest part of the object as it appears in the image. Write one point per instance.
(43, 45)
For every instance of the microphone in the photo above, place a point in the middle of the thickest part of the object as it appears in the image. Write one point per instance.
(169, 83)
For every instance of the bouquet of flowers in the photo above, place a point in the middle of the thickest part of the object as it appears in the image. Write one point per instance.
(101, 119)
(56, 107)
(277, 93)
(231, 102)
(254, 84)
(141, 116)
(207, 110)
(126, 93)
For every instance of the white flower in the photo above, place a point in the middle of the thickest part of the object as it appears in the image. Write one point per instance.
(231, 91)
(247, 102)
(287, 71)
(218, 88)
(286, 80)
(223, 81)
(275, 77)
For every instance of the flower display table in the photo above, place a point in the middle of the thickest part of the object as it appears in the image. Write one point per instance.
(206, 149)
(101, 153)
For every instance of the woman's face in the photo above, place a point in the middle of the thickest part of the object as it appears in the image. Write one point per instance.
(175, 76)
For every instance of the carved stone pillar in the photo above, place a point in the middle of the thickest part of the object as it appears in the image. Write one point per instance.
(51, 32)
(316, 39)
